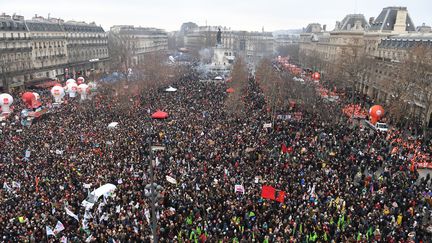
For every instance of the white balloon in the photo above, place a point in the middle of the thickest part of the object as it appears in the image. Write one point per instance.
(6, 101)
(58, 93)
(83, 90)
(70, 81)
(36, 95)
(72, 88)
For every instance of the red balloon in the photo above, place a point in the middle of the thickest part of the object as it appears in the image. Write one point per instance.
(28, 98)
(316, 76)
(230, 90)
(376, 111)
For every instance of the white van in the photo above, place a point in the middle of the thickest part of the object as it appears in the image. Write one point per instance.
(379, 126)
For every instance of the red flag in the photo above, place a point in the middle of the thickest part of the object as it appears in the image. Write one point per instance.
(284, 149)
(268, 192)
(290, 150)
(280, 196)
(37, 183)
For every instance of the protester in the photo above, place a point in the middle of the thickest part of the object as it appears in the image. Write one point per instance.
(342, 184)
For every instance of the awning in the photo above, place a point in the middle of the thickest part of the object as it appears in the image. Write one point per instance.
(46, 84)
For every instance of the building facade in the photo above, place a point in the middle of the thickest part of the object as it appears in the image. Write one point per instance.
(87, 48)
(385, 43)
(321, 49)
(250, 45)
(254, 45)
(48, 48)
(205, 37)
(15, 51)
(140, 41)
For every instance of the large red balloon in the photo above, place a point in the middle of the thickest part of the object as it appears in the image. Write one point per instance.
(376, 112)
(29, 98)
(316, 75)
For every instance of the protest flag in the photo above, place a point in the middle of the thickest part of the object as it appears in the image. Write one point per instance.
(70, 213)
(284, 149)
(268, 192)
(280, 197)
(59, 227)
(49, 231)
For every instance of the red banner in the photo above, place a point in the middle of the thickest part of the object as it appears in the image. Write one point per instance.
(268, 192)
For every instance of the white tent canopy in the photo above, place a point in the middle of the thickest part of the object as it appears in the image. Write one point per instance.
(112, 125)
(171, 89)
(218, 78)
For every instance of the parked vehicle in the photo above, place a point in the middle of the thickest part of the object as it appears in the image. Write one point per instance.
(379, 126)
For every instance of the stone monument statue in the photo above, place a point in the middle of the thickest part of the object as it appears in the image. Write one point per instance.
(219, 37)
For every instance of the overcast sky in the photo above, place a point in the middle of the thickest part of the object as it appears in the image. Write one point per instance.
(237, 14)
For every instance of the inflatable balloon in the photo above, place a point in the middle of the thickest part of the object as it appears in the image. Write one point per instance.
(58, 93)
(93, 86)
(70, 81)
(83, 90)
(80, 80)
(37, 97)
(376, 112)
(316, 76)
(6, 101)
(29, 99)
(72, 89)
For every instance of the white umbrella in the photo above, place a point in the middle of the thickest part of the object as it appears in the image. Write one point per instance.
(171, 89)
(112, 124)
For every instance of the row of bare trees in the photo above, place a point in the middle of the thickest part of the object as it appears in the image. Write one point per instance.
(239, 81)
(412, 85)
(408, 83)
(150, 69)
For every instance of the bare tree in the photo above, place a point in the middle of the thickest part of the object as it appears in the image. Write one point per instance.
(418, 73)
(270, 82)
(121, 49)
(291, 50)
(234, 102)
(156, 70)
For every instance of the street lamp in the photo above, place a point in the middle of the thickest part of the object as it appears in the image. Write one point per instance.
(153, 192)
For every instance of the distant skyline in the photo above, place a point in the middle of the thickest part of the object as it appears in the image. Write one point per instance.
(251, 15)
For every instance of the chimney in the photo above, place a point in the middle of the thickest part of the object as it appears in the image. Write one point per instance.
(400, 24)
(337, 25)
(371, 20)
(5, 16)
(18, 17)
(324, 27)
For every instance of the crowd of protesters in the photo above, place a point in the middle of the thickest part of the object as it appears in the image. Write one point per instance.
(342, 184)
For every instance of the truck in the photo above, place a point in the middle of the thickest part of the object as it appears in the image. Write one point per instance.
(379, 126)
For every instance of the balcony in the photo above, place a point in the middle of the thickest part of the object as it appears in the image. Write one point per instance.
(14, 50)
(15, 39)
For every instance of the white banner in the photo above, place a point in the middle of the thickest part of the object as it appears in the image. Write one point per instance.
(171, 179)
(267, 125)
(239, 188)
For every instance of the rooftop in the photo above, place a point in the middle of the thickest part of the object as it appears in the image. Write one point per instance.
(353, 22)
(386, 20)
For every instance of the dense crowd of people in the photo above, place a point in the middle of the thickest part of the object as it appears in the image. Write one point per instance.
(342, 183)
